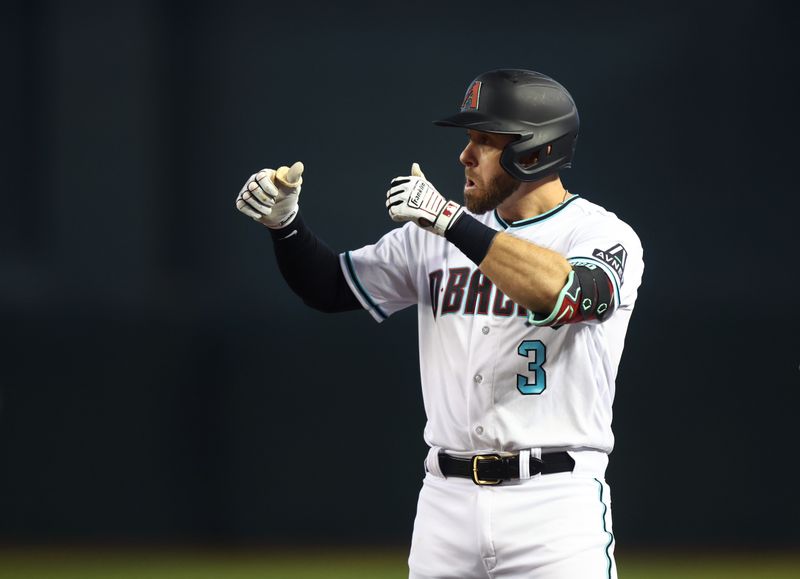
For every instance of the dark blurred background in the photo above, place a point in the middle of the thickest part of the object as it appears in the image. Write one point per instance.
(158, 381)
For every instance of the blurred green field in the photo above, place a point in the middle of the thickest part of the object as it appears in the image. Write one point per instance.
(350, 564)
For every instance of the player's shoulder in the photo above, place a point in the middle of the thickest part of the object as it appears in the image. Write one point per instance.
(590, 215)
(411, 236)
(594, 211)
(405, 231)
(600, 235)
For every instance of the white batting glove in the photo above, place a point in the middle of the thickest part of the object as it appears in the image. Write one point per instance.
(415, 199)
(270, 197)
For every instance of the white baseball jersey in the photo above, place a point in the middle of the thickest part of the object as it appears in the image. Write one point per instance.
(492, 381)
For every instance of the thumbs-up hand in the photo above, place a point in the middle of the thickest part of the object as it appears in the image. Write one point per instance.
(271, 197)
(414, 198)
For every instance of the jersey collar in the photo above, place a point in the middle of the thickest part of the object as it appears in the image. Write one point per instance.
(537, 219)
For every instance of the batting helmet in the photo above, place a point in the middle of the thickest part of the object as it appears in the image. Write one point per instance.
(530, 105)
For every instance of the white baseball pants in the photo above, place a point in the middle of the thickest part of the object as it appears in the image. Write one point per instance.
(555, 526)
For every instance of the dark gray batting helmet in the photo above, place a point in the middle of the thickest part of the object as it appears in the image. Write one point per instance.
(530, 105)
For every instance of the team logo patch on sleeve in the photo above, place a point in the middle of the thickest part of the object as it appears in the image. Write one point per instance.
(615, 257)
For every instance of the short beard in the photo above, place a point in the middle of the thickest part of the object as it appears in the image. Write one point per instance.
(497, 190)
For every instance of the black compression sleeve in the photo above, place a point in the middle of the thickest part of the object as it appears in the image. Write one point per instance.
(471, 236)
(312, 269)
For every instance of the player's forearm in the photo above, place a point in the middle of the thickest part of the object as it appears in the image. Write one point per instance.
(312, 269)
(531, 275)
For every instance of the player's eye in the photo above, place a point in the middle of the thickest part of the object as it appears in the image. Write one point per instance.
(477, 138)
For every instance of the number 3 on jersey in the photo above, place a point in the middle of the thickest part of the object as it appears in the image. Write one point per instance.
(532, 349)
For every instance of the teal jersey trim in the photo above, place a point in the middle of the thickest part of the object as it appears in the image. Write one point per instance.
(534, 220)
(368, 298)
(605, 529)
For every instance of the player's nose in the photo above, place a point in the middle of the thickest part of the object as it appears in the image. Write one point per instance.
(467, 156)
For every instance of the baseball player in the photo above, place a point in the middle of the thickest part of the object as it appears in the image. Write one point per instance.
(524, 294)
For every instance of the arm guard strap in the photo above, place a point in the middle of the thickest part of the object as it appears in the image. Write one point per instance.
(587, 295)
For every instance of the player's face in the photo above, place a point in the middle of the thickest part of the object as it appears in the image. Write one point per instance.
(487, 183)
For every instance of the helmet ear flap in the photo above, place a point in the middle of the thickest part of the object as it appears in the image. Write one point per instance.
(526, 160)
(511, 159)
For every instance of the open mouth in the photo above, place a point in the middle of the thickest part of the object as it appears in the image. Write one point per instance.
(469, 184)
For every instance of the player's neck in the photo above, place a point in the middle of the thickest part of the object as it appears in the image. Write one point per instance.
(532, 199)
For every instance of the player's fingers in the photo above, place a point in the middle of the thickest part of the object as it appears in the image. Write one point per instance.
(254, 189)
(250, 178)
(395, 216)
(245, 208)
(394, 191)
(396, 195)
(246, 184)
(257, 191)
(416, 171)
(400, 181)
(263, 208)
(264, 179)
(392, 201)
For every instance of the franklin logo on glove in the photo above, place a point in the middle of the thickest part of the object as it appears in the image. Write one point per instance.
(417, 194)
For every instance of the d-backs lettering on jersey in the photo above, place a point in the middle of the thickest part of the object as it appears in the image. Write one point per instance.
(468, 291)
(491, 380)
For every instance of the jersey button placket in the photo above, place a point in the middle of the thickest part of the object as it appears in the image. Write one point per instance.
(478, 429)
(481, 344)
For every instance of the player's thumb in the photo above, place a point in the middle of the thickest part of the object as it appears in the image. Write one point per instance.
(416, 171)
(290, 176)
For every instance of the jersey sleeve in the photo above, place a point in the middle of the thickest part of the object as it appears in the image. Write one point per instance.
(611, 244)
(379, 274)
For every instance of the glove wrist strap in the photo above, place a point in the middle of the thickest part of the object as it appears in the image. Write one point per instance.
(447, 217)
(286, 221)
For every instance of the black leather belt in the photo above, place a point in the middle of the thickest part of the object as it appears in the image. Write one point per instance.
(493, 469)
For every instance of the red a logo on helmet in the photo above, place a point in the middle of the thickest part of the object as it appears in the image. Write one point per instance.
(473, 97)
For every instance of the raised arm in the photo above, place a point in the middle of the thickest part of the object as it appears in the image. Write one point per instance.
(310, 268)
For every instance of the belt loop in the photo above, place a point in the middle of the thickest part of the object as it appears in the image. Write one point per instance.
(432, 461)
(536, 454)
(524, 464)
